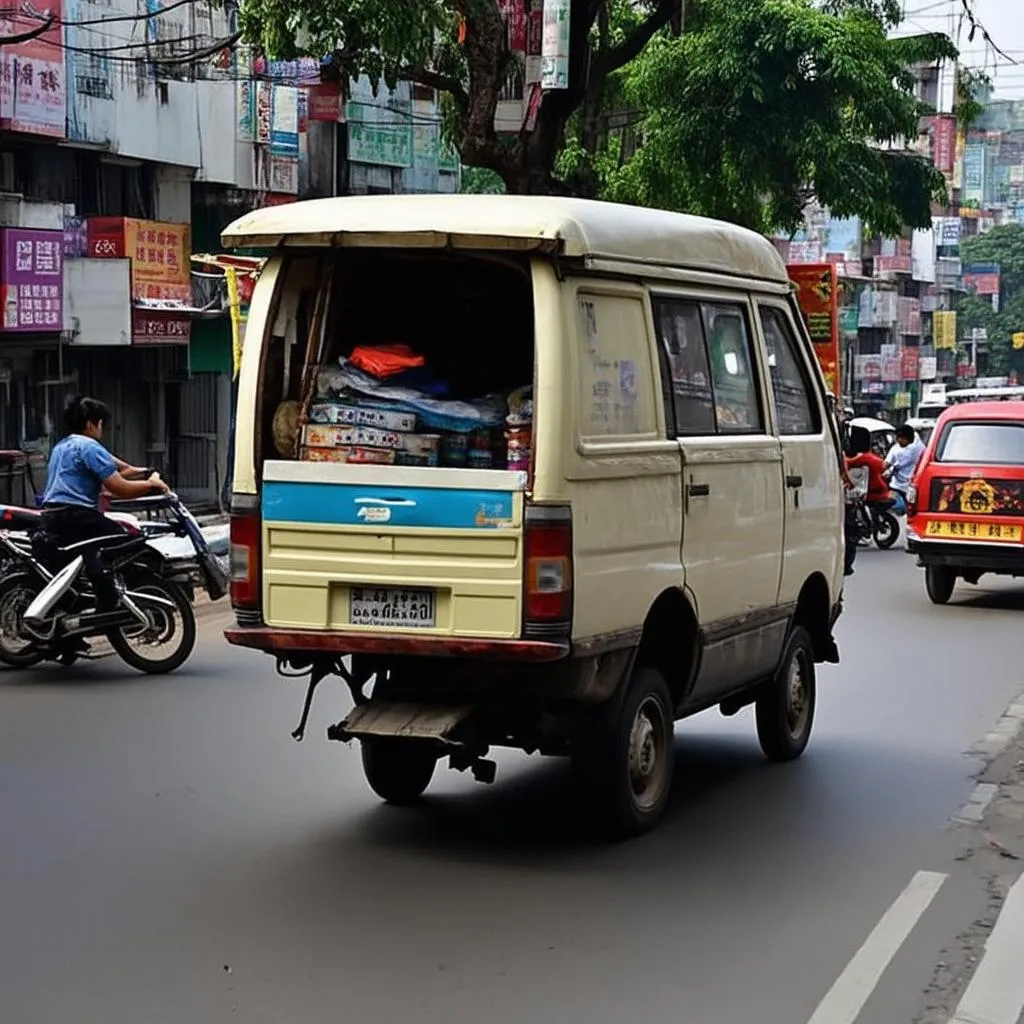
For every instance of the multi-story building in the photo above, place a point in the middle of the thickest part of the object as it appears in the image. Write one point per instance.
(128, 140)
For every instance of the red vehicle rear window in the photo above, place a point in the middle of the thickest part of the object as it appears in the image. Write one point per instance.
(984, 444)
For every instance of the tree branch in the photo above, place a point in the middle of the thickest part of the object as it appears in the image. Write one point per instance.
(435, 80)
(632, 46)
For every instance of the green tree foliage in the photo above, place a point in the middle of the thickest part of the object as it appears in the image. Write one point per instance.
(743, 109)
(1003, 246)
(767, 102)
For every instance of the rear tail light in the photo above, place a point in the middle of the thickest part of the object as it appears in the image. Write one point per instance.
(912, 500)
(244, 554)
(548, 573)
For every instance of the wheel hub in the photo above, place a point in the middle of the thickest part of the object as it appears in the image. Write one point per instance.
(796, 699)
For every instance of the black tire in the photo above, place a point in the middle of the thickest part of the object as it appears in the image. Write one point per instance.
(17, 592)
(886, 530)
(625, 756)
(939, 582)
(785, 707)
(398, 771)
(123, 640)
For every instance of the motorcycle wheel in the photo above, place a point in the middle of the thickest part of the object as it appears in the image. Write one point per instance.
(167, 642)
(16, 593)
(886, 530)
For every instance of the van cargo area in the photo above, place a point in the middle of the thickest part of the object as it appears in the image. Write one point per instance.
(401, 359)
(395, 420)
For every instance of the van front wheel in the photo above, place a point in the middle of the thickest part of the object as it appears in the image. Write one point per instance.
(398, 771)
(626, 755)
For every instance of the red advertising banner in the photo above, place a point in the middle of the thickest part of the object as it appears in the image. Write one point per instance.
(325, 102)
(910, 363)
(944, 141)
(818, 296)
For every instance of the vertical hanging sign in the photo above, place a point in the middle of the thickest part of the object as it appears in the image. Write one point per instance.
(554, 72)
(818, 298)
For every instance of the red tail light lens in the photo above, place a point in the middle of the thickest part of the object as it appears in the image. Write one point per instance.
(912, 500)
(244, 558)
(548, 572)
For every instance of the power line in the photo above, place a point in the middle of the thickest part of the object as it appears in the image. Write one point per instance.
(146, 16)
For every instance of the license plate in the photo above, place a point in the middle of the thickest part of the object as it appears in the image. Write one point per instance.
(999, 533)
(394, 609)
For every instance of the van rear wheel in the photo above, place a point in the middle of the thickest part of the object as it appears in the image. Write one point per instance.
(398, 771)
(785, 707)
(625, 756)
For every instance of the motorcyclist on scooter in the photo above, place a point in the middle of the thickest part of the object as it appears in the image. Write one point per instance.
(80, 469)
(878, 486)
(902, 460)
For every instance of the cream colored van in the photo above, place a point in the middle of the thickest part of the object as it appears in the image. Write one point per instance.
(532, 472)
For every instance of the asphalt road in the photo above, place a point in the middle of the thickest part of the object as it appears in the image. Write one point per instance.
(169, 854)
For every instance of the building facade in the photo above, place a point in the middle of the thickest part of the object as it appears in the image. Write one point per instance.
(130, 135)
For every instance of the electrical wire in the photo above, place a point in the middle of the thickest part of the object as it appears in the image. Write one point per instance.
(146, 16)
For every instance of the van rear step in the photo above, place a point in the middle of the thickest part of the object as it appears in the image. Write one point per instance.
(386, 720)
(401, 721)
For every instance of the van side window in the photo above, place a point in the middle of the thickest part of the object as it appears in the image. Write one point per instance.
(737, 409)
(681, 333)
(795, 404)
(616, 385)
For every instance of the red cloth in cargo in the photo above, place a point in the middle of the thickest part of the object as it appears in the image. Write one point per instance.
(385, 360)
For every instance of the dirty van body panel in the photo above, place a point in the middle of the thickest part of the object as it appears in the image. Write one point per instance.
(619, 467)
(732, 549)
(355, 549)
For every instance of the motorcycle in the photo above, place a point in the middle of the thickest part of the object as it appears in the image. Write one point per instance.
(47, 608)
(876, 521)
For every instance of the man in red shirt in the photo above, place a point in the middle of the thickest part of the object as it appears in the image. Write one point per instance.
(878, 487)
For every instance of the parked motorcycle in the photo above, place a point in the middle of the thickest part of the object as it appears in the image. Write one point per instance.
(48, 611)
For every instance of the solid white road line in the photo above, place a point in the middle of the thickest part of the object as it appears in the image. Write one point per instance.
(996, 992)
(853, 988)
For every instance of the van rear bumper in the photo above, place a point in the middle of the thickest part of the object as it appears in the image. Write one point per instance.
(281, 641)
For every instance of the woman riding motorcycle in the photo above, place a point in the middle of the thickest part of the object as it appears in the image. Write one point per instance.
(80, 469)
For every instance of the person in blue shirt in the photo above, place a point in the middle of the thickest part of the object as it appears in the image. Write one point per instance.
(80, 469)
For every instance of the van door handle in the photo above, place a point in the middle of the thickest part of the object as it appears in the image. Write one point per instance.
(698, 490)
(794, 481)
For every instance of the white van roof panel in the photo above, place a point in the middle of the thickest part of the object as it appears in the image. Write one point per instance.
(570, 227)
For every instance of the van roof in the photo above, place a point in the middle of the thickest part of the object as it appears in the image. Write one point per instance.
(579, 228)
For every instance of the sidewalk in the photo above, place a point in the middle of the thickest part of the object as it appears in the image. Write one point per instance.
(994, 992)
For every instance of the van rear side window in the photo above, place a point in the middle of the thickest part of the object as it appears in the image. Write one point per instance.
(616, 389)
(714, 389)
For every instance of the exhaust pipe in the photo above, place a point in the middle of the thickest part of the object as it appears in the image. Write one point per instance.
(46, 600)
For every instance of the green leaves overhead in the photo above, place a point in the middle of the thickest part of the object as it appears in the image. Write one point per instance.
(770, 100)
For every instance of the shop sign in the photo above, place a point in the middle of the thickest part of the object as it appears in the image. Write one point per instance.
(160, 252)
(33, 83)
(911, 363)
(555, 45)
(981, 278)
(160, 327)
(927, 368)
(892, 369)
(325, 102)
(818, 297)
(944, 330)
(944, 132)
(375, 136)
(849, 319)
(32, 280)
